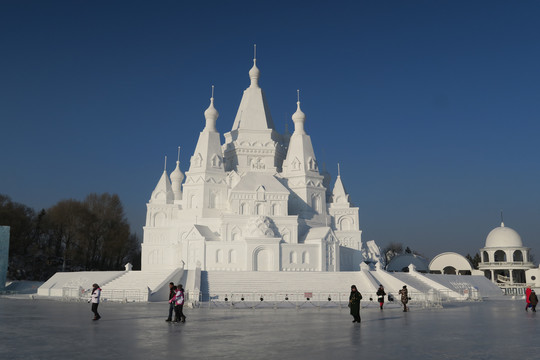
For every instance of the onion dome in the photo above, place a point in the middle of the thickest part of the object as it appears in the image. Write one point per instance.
(211, 115)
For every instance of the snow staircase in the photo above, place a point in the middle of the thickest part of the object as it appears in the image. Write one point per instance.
(220, 284)
(413, 284)
(141, 285)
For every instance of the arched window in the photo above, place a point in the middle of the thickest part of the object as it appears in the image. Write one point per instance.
(212, 200)
(236, 234)
(216, 161)
(259, 209)
(345, 223)
(232, 256)
(286, 235)
(275, 209)
(293, 257)
(160, 219)
(316, 203)
(485, 257)
(219, 256)
(500, 256)
(305, 257)
(244, 209)
(518, 256)
(193, 202)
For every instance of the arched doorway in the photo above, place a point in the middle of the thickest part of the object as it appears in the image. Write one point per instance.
(262, 260)
(449, 270)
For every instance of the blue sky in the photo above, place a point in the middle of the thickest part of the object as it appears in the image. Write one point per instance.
(430, 107)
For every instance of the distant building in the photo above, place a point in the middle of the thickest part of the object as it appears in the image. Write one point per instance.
(450, 263)
(504, 259)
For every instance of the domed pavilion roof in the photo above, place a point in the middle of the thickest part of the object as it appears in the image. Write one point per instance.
(503, 236)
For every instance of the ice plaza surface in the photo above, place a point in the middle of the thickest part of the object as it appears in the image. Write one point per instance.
(46, 329)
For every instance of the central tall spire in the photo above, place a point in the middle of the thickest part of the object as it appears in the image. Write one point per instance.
(253, 112)
(253, 144)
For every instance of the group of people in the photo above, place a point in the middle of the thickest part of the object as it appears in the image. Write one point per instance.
(176, 303)
(531, 298)
(356, 296)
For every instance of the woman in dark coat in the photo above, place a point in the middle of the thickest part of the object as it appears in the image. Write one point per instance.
(533, 299)
(354, 303)
(380, 296)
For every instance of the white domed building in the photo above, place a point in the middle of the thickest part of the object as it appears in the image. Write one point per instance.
(450, 263)
(504, 258)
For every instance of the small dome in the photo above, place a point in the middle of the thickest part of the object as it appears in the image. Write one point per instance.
(176, 175)
(503, 237)
(299, 118)
(254, 74)
(211, 115)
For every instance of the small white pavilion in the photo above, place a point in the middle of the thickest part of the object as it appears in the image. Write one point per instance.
(504, 258)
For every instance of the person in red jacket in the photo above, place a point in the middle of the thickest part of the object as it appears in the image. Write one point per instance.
(527, 295)
(533, 299)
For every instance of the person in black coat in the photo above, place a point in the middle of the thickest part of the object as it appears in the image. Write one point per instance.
(172, 291)
(354, 303)
(380, 296)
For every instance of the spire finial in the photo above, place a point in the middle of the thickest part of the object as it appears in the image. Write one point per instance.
(211, 114)
(165, 165)
(254, 73)
(338, 170)
(298, 117)
(178, 159)
(502, 220)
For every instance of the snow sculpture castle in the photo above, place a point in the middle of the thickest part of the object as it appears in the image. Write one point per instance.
(258, 202)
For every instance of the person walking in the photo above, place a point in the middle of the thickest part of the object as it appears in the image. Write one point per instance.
(354, 303)
(404, 297)
(96, 294)
(533, 300)
(380, 295)
(527, 296)
(171, 304)
(179, 305)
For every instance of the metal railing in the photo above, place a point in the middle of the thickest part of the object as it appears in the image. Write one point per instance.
(305, 300)
(127, 295)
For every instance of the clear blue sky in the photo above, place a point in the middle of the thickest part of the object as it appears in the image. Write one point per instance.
(431, 107)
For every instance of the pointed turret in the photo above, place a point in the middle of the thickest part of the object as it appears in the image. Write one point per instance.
(208, 154)
(300, 155)
(163, 193)
(206, 186)
(302, 172)
(340, 197)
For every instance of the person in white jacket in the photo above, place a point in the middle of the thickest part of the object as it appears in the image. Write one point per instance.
(179, 304)
(96, 293)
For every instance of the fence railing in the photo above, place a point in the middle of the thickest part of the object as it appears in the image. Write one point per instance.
(125, 295)
(305, 300)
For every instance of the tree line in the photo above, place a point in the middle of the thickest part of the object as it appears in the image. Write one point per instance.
(72, 235)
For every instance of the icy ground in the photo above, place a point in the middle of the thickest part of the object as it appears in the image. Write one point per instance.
(48, 329)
